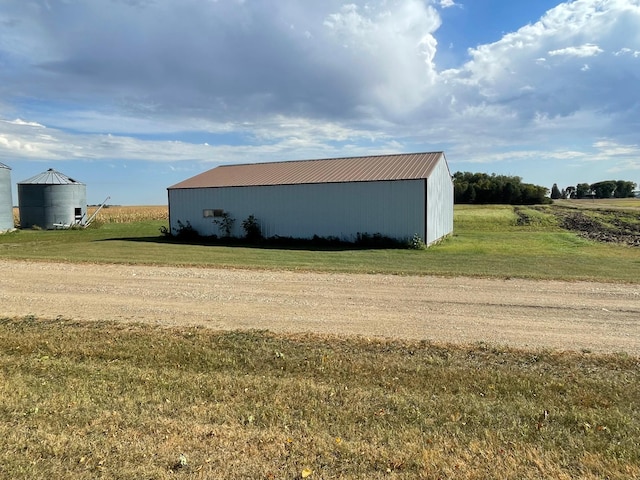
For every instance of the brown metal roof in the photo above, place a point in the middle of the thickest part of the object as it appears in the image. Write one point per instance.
(406, 166)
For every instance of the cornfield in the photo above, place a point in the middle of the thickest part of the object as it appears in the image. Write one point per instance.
(120, 214)
(129, 214)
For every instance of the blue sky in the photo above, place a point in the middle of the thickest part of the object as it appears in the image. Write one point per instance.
(132, 96)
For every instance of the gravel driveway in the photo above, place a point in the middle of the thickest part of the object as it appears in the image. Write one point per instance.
(598, 317)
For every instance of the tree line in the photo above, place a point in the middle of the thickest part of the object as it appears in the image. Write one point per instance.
(497, 189)
(604, 189)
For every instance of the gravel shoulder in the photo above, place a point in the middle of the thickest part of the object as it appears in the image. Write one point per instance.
(597, 317)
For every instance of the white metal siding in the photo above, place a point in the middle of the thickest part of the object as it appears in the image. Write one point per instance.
(392, 208)
(439, 203)
(6, 203)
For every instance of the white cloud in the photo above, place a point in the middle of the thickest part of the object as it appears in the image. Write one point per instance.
(391, 48)
(559, 89)
(448, 3)
(281, 138)
(627, 51)
(19, 121)
(613, 148)
(587, 50)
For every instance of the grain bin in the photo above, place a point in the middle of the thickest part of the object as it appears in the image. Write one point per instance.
(52, 200)
(6, 203)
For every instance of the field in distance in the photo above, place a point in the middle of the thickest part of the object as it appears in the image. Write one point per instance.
(602, 203)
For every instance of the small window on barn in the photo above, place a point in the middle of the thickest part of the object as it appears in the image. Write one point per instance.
(212, 212)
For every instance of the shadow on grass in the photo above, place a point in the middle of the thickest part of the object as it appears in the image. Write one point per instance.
(363, 242)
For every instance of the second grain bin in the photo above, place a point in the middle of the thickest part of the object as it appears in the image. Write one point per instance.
(6, 204)
(52, 200)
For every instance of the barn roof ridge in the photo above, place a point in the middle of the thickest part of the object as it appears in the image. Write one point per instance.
(328, 159)
(397, 166)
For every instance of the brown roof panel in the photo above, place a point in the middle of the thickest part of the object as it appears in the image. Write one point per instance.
(406, 166)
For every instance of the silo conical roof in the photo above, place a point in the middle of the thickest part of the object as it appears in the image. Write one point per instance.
(2, 165)
(50, 177)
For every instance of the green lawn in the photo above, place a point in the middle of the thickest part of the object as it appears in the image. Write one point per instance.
(487, 241)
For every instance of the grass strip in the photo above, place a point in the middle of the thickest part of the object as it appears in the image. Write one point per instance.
(106, 400)
(489, 240)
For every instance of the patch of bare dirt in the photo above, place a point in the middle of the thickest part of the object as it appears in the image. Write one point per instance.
(602, 226)
(596, 317)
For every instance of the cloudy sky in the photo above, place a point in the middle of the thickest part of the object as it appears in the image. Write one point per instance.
(132, 96)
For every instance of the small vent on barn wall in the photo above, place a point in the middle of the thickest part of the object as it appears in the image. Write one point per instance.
(212, 212)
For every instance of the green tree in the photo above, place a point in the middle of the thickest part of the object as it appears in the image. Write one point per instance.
(624, 189)
(603, 189)
(512, 194)
(500, 189)
(583, 190)
(555, 192)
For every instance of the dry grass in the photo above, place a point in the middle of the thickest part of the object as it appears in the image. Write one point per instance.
(86, 401)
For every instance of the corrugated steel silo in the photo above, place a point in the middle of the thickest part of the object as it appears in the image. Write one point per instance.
(6, 203)
(52, 200)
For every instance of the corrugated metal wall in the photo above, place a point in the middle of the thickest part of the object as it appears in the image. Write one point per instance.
(47, 205)
(6, 204)
(392, 208)
(439, 203)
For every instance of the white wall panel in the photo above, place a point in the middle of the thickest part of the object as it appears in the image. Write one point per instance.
(392, 208)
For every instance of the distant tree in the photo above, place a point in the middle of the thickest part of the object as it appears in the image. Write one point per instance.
(624, 189)
(583, 190)
(570, 192)
(533, 194)
(470, 194)
(603, 189)
(555, 192)
(501, 189)
(512, 194)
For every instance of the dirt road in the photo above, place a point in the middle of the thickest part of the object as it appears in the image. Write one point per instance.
(560, 315)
